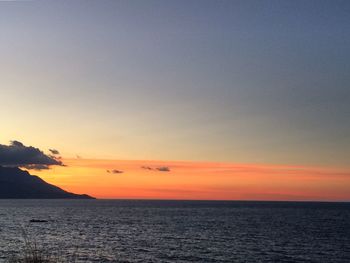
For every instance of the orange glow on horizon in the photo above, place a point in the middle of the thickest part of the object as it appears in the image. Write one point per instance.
(199, 180)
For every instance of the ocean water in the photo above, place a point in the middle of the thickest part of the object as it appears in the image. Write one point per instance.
(178, 231)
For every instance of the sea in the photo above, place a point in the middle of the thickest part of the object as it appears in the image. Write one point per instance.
(176, 231)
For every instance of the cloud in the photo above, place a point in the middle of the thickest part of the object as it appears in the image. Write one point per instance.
(146, 167)
(54, 152)
(115, 171)
(163, 169)
(159, 169)
(18, 155)
(37, 167)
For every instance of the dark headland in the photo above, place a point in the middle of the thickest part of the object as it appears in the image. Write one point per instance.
(18, 184)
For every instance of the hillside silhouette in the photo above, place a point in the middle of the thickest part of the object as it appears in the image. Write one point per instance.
(19, 184)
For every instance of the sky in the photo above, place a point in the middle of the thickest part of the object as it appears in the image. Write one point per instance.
(205, 83)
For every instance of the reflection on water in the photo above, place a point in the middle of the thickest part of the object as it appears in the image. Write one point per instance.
(179, 231)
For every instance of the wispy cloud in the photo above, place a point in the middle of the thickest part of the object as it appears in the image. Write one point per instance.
(159, 169)
(147, 167)
(115, 171)
(54, 151)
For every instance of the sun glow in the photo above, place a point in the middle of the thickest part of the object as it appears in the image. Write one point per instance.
(199, 180)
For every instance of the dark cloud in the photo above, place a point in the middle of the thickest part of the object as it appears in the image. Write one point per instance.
(115, 171)
(159, 169)
(17, 154)
(163, 169)
(17, 143)
(37, 167)
(54, 152)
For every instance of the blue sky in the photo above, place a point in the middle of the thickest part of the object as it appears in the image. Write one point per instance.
(240, 81)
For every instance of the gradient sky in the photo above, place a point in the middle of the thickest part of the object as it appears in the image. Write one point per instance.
(253, 82)
(199, 180)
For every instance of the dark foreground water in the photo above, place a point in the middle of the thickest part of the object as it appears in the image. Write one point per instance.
(179, 231)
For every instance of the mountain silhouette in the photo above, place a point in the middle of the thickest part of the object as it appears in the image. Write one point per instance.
(16, 183)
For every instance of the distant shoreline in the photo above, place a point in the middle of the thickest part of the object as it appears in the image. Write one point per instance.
(184, 200)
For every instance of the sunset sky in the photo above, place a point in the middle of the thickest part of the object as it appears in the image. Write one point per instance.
(182, 99)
